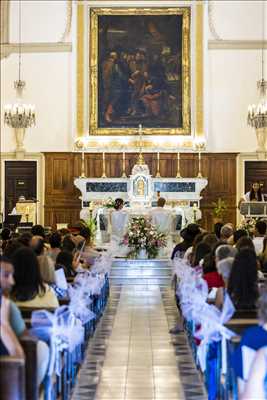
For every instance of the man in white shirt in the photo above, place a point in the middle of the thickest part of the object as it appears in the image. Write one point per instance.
(161, 217)
(260, 232)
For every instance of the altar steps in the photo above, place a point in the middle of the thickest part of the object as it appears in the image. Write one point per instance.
(141, 272)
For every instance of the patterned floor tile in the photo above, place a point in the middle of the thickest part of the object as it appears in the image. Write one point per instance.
(132, 356)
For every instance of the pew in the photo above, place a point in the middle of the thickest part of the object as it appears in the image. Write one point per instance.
(29, 345)
(26, 312)
(12, 378)
(59, 387)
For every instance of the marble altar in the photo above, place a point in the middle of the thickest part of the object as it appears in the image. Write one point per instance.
(183, 192)
(140, 192)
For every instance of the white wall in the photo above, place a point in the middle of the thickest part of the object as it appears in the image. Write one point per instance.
(231, 77)
(232, 86)
(48, 78)
(238, 19)
(42, 21)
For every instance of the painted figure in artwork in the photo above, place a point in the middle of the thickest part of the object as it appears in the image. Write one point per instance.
(139, 80)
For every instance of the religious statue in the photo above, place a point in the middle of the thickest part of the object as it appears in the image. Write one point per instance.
(140, 187)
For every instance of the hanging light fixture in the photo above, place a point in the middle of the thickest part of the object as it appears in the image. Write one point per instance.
(257, 114)
(19, 115)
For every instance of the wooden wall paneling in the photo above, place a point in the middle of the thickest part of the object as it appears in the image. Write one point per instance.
(62, 202)
(130, 161)
(94, 165)
(220, 169)
(188, 165)
(114, 165)
(168, 165)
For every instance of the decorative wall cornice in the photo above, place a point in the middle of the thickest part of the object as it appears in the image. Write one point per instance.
(36, 47)
(236, 44)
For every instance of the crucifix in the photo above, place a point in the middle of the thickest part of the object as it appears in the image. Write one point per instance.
(141, 160)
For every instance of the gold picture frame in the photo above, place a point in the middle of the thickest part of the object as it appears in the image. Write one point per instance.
(95, 128)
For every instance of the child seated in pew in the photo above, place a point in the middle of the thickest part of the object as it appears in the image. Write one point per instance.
(66, 261)
(29, 289)
(47, 266)
(12, 316)
(254, 337)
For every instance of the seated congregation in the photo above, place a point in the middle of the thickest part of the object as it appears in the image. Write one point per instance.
(55, 288)
(221, 295)
(52, 297)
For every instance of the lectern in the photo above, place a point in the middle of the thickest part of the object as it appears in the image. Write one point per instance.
(257, 209)
(28, 210)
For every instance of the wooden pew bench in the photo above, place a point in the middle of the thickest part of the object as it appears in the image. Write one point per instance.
(12, 378)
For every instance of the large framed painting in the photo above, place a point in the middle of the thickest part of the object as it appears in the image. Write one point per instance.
(139, 70)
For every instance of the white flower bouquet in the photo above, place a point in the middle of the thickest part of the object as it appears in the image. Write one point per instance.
(141, 235)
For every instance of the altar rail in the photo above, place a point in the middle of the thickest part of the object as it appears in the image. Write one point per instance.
(62, 204)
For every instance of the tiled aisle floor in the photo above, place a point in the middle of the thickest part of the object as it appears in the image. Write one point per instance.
(133, 357)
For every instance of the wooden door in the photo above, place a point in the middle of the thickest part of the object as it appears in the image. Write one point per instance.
(20, 180)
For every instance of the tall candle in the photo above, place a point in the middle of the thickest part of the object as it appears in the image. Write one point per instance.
(123, 166)
(178, 175)
(199, 175)
(104, 165)
(158, 165)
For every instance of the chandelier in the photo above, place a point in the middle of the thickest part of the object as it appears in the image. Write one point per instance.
(257, 114)
(19, 115)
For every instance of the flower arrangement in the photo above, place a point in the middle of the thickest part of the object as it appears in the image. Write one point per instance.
(109, 203)
(142, 235)
(248, 224)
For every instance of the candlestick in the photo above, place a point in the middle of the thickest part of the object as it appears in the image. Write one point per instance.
(178, 175)
(103, 166)
(158, 166)
(199, 175)
(82, 167)
(123, 166)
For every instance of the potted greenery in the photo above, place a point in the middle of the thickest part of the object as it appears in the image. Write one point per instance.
(219, 209)
(90, 224)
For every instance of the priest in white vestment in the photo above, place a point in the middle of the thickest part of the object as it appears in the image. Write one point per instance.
(163, 219)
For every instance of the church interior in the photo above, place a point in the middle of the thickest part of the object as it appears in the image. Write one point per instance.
(133, 199)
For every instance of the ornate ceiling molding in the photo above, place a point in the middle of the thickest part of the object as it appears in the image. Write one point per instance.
(66, 32)
(211, 21)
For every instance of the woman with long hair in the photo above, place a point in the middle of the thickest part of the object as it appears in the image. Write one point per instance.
(119, 219)
(255, 193)
(29, 289)
(242, 285)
